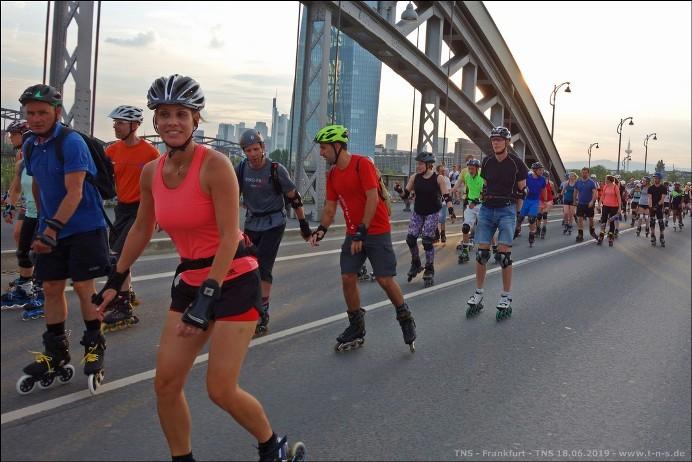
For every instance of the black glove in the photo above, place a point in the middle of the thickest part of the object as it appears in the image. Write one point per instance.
(361, 233)
(9, 211)
(398, 188)
(451, 212)
(305, 230)
(115, 281)
(197, 314)
(319, 232)
(49, 241)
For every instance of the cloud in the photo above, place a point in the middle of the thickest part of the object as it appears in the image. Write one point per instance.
(140, 40)
(216, 42)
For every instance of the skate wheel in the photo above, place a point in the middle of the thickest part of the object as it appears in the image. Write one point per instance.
(66, 374)
(412, 347)
(94, 381)
(46, 382)
(25, 385)
(297, 452)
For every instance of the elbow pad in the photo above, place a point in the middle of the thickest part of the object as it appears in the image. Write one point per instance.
(297, 201)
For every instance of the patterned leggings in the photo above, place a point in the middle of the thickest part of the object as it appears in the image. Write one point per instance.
(424, 225)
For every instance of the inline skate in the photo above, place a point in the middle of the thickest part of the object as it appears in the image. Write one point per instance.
(354, 335)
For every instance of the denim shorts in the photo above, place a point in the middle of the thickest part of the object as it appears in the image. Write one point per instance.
(490, 220)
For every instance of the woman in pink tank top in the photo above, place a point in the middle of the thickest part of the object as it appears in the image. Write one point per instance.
(192, 193)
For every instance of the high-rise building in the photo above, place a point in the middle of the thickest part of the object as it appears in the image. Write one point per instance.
(262, 128)
(391, 142)
(357, 91)
(198, 134)
(279, 129)
(442, 146)
(239, 129)
(464, 147)
(226, 132)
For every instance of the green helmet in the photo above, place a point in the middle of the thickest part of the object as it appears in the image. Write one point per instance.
(332, 134)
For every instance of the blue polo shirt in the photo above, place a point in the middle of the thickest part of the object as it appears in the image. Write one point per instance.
(585, 189)
(49, 174)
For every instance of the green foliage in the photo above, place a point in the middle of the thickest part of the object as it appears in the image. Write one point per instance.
(280, 156)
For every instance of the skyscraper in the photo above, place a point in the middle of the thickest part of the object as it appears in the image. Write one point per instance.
(226, 132)
(391, 142)
(357, 91)
(262, 128)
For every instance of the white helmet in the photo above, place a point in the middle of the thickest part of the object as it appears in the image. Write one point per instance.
(129, 113)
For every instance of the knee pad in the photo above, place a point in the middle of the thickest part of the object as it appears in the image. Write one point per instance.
(411, 241)
(505, 259)
(661, 225)
(482, 256)
(532, 220)
(427, 243)
(23, 259)
(465, 228)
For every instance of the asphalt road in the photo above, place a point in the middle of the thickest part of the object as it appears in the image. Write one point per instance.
(593, 364)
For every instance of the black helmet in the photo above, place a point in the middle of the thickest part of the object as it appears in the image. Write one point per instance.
(501, 132)
(536, 165)
(473, 163)
(249, 137)
(546, 174)
(426, 157)
(42, 93)
(176, 89)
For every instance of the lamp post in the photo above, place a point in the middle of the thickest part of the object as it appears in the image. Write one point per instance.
(592, 145)
(646, 147)
(552, 103)
(619, 130)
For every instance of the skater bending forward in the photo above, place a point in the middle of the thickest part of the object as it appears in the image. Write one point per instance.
(505, 175)
(352, 181)
(192, 192)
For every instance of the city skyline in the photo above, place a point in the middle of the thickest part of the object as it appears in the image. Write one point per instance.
(613, 64)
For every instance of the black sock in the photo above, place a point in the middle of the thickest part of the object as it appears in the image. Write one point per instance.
(184, 458)
(94, 324)
(57, 329)
(270, 442)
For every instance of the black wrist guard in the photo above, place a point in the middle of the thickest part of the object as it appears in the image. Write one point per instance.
(447, 198)
(54, 224)
(361, 233)
(198, 313)
(115, 281)
(405, 194)
(47, 240)
(304, 228)
(319, 233)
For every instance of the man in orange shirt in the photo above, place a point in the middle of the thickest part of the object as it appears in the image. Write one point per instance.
(129, 155)
(352, 182)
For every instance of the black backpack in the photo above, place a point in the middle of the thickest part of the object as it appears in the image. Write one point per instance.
(104, 181)
(274, 176)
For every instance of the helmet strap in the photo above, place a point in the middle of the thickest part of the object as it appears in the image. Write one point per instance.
(337, 152)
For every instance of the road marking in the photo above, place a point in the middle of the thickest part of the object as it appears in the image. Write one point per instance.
(107, 387)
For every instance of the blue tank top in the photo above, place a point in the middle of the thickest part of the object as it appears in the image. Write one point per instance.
(569, 192)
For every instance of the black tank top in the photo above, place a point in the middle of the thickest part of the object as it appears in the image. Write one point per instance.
(428, 198)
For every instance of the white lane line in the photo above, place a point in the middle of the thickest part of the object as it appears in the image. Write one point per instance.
(107, 387)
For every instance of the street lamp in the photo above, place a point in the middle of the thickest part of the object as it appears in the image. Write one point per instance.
(646, 147)
(552, 103)
(592, 145)
(619, 130)
(409, 13)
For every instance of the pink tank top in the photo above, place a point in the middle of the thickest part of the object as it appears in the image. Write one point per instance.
(187, 214)
(610, 195)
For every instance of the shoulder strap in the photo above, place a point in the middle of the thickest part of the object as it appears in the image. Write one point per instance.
(275, 177)
(241, 175)
(64, 131)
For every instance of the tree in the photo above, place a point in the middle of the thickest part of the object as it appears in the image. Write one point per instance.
(280, 156)
(660, 167)
(600, 171)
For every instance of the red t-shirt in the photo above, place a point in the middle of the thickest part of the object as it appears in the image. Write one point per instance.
(348, 186)
(128, 162)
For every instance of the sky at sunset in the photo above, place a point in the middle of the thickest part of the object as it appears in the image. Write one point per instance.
(622, 59)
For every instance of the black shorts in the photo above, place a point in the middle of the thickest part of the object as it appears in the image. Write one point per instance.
(238, 296)
(125, 215)
(608, 212)
(584, 211)
(377, 248)
(656, 211)
(568, 202)
(26, 238)
(80, 257)
(644, 208)
(267, 246)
